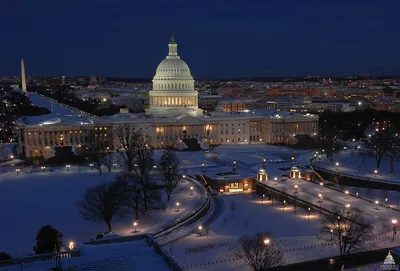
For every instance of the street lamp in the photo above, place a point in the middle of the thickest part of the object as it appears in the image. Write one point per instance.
(200, 228)
(135, 225)
(68, 167)
(337, 166)
(295, 188)
(376, 172)
(263, 198)
(71, 245)
(263, 164)
(202, 167)
(191, 190)
(331, 234)
(346, 192)
(283, 205)
(394, 222)
(177, 206)
(266, 241)
(376, 202)
(309, 211)
(357, 194)
(234, 166)
(275, 179)
(321, 185)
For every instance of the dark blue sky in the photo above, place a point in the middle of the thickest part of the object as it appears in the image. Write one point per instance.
(217, 38)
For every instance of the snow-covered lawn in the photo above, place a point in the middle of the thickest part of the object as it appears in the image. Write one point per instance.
(352, 163)
(252, 215)
(29, 201)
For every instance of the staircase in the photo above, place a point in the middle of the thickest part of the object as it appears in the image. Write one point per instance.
(192, 144)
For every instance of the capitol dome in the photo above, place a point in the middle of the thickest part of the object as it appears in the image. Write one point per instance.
(173, 68)
(173, 92)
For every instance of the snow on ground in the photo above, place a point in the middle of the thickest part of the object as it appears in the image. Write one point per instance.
(351, 162)
(51, 104)
(117, 256)
(29, 201)
(252, 215)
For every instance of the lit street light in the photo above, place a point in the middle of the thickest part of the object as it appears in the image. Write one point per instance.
(68, 167)
(376, 202)
(191, 190)
(71, 245)
(394, 223)
(177, 206)
(321, 185)
(376, 172)
(263, 198)
(135, 225)
(275, 179)
(283, 205)
(331, 234)
(200, 228)
(346, 192)
(266, 242)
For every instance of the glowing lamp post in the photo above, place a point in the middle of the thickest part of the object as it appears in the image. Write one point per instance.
(394, 223)
(309, 212)
(68, 167)
(71, 245)
(266, 242)
(200, 228)
(234, 166)
(177, 206)
(347, 193)
(191, 190)
(275, 179)
(202, 167)
(135, 225)
(18, 170)
(283, 205)
(295, 188)
(376, 202)
(331, 234)
(263, 198)
(376, 173)
(264, 162)
(337, 166)
(321, 184)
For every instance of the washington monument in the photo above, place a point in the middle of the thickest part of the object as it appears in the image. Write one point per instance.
(23, 78)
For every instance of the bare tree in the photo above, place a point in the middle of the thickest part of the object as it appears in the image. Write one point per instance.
(95, 149)
(131, 192)
(393, 149)
(144, 165)
(378, 145)
(125, 138)
(259, 251)
(347, 230)
(107, 158)
(170, 171)
(101, 203)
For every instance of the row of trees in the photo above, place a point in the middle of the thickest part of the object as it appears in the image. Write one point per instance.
(136, 189)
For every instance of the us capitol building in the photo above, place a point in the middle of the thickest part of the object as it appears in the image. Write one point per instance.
(173, 119)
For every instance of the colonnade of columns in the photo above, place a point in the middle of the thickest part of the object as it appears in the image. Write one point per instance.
(168, 101)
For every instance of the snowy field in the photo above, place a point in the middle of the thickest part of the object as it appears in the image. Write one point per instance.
(52, 105)
(352, 163)
(29, 201)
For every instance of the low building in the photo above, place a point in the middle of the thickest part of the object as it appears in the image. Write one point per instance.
(224, 180)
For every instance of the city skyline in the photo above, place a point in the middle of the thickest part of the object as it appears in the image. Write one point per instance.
(120, 39)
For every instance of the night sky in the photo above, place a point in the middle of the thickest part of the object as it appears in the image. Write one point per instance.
(217, 38)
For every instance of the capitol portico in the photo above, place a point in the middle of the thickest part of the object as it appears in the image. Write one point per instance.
(172, 119)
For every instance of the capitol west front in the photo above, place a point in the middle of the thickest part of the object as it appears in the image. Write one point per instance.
(172, 119)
